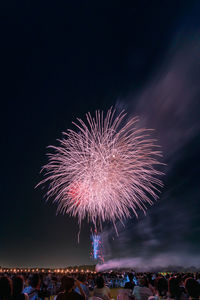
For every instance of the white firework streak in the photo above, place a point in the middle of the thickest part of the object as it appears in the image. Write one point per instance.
(105, 170)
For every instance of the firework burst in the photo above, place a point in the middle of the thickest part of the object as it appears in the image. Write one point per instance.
(103, 170)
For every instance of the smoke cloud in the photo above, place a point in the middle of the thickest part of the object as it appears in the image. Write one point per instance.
(170, 103)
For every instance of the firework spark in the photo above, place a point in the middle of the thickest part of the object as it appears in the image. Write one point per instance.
(103, 170)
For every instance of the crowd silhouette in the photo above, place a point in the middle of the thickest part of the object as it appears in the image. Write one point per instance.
(99, 286)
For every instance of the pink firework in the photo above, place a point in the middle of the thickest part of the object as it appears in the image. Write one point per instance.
(103, 170)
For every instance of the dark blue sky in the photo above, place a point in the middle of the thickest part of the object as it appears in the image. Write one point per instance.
(60, 60)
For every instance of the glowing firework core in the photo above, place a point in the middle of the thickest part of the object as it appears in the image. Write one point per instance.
(104, 170)
(96, 240)
(97, 252)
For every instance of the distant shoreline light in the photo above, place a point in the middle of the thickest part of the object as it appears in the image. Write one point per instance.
(90, 269)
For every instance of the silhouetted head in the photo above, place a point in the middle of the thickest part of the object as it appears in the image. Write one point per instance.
(100, 282)
(161, 286)
(81, 277)
(5, 288)
(143, 281)
(192, 287)
(34, 280)
(18, 285)
(67, 283)
(173, 287)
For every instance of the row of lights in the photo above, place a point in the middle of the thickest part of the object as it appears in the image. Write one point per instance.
(62, 271)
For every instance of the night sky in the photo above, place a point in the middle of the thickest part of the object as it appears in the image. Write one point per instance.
(61, 59)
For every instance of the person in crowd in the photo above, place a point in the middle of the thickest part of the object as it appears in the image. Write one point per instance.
(160, 286)
(68, 284)
(34, 286)
(43, 292)
(142, 292)
(174, 289)
(130, 284)
(192, 287)
(18, 286)
(101, 290)
(82, 279)
(5, 288)
(198, 277)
